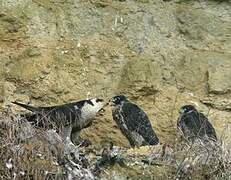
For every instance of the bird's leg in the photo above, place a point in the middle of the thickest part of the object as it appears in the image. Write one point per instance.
(77, 140)
(66, 134)
(75, 137)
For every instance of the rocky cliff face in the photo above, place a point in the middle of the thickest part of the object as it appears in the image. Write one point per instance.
(161, 54)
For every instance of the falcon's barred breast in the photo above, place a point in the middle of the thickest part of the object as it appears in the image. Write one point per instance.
(195, 125)
(133, 122)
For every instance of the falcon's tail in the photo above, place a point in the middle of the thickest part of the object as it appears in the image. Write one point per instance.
(154, 140)
(31, 108)
(150, 137)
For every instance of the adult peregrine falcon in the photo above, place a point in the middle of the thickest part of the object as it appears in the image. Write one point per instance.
(72, 117)
(133, 122)
(194, 124)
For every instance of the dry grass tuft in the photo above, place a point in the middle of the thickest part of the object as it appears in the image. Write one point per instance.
(30, 153)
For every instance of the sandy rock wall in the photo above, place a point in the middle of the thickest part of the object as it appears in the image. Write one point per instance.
(161, 54)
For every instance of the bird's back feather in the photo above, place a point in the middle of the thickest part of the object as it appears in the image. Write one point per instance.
(137, 122)
(195, 124)
(64, 114)
(31, 108)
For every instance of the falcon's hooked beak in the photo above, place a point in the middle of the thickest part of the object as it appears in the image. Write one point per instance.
(181, 111)
(111, 103)
(103, 103)
(101, 111)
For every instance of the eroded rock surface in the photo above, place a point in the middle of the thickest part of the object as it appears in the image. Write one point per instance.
(161, 54)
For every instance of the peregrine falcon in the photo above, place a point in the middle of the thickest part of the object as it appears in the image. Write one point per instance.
(72, 117)
(133, 122)
(194, 124)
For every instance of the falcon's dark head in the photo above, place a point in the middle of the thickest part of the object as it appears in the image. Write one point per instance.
(187, 109)
(117, 100)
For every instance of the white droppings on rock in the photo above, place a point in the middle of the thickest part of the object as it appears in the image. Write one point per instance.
(121, 20)
(9, 164)
(78, 45)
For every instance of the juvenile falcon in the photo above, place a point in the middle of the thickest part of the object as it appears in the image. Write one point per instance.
(72, 117)
(133, 122)
(194, 124)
